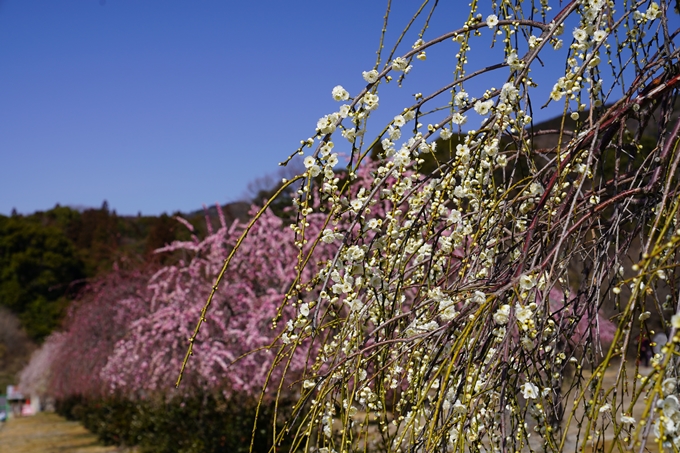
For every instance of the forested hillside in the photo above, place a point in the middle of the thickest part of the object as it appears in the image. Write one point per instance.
(46, 257)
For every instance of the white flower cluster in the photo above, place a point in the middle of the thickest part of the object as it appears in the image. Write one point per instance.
(340, 94)
(653, 12)
(434, 274)
(588, 37)
(667, 426)
(401, 65)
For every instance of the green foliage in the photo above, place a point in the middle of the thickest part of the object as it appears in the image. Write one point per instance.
(37, 265)
(162, 231)
(198, 423)
(281, 206)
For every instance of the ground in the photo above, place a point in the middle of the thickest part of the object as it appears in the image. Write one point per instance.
(49, 433)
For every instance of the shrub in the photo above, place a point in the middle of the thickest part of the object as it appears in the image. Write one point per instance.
(205, 422)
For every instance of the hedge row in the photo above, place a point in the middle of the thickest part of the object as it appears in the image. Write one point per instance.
(200, 423)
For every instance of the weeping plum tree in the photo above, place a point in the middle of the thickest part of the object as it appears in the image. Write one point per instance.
(454, 302)
(134, 323)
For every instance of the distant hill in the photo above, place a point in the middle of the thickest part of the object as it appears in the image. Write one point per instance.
(232, 211)
(549, 141)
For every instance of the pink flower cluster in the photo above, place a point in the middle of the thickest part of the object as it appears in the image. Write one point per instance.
(130, 331)
(239, 320)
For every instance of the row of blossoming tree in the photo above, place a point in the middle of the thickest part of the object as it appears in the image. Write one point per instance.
(459, 309)
(451, 289)
(124, 338)
(127, 331)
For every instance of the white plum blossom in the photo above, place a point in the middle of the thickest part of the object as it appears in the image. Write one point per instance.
(355, 253)
(400, 64)
(670, 405)
(445, 134)
(340, 94)
(455, 216)
(478, 297)
(408, 115)
(534, 41)
(557, 92)
(491, 148)
(403, 157)
(594, 61)
(371, 101)
(350, 134)
(502, 315)
(483, 107)
(309, 161)
(599, 35)
(399, 121)
(627, 420)
(529, 390)
(669, 423)
(526, 282)
(459, 119)
(304, 309)
(523, 314)
(514, 61)
(668, 386)
(394, 133)
(491, 20)
(675, 321)
(328, 236)
(370, 76)
(344, 111)
(460, 99)
(326, 149)
(463, 151)
(447, 309)
(580, 35)
(509, 93)
(387, 143)
(653, 12)
(425, 147)
(314, 171)
(535, 188)
(326, 124)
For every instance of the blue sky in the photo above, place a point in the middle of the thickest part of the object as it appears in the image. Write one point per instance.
(158, 106)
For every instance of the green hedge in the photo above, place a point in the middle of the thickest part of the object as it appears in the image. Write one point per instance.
(200, 423)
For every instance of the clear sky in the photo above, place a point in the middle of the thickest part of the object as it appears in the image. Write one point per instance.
(163, 105)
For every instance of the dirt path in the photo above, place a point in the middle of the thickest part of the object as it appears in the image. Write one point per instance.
(49, 433)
